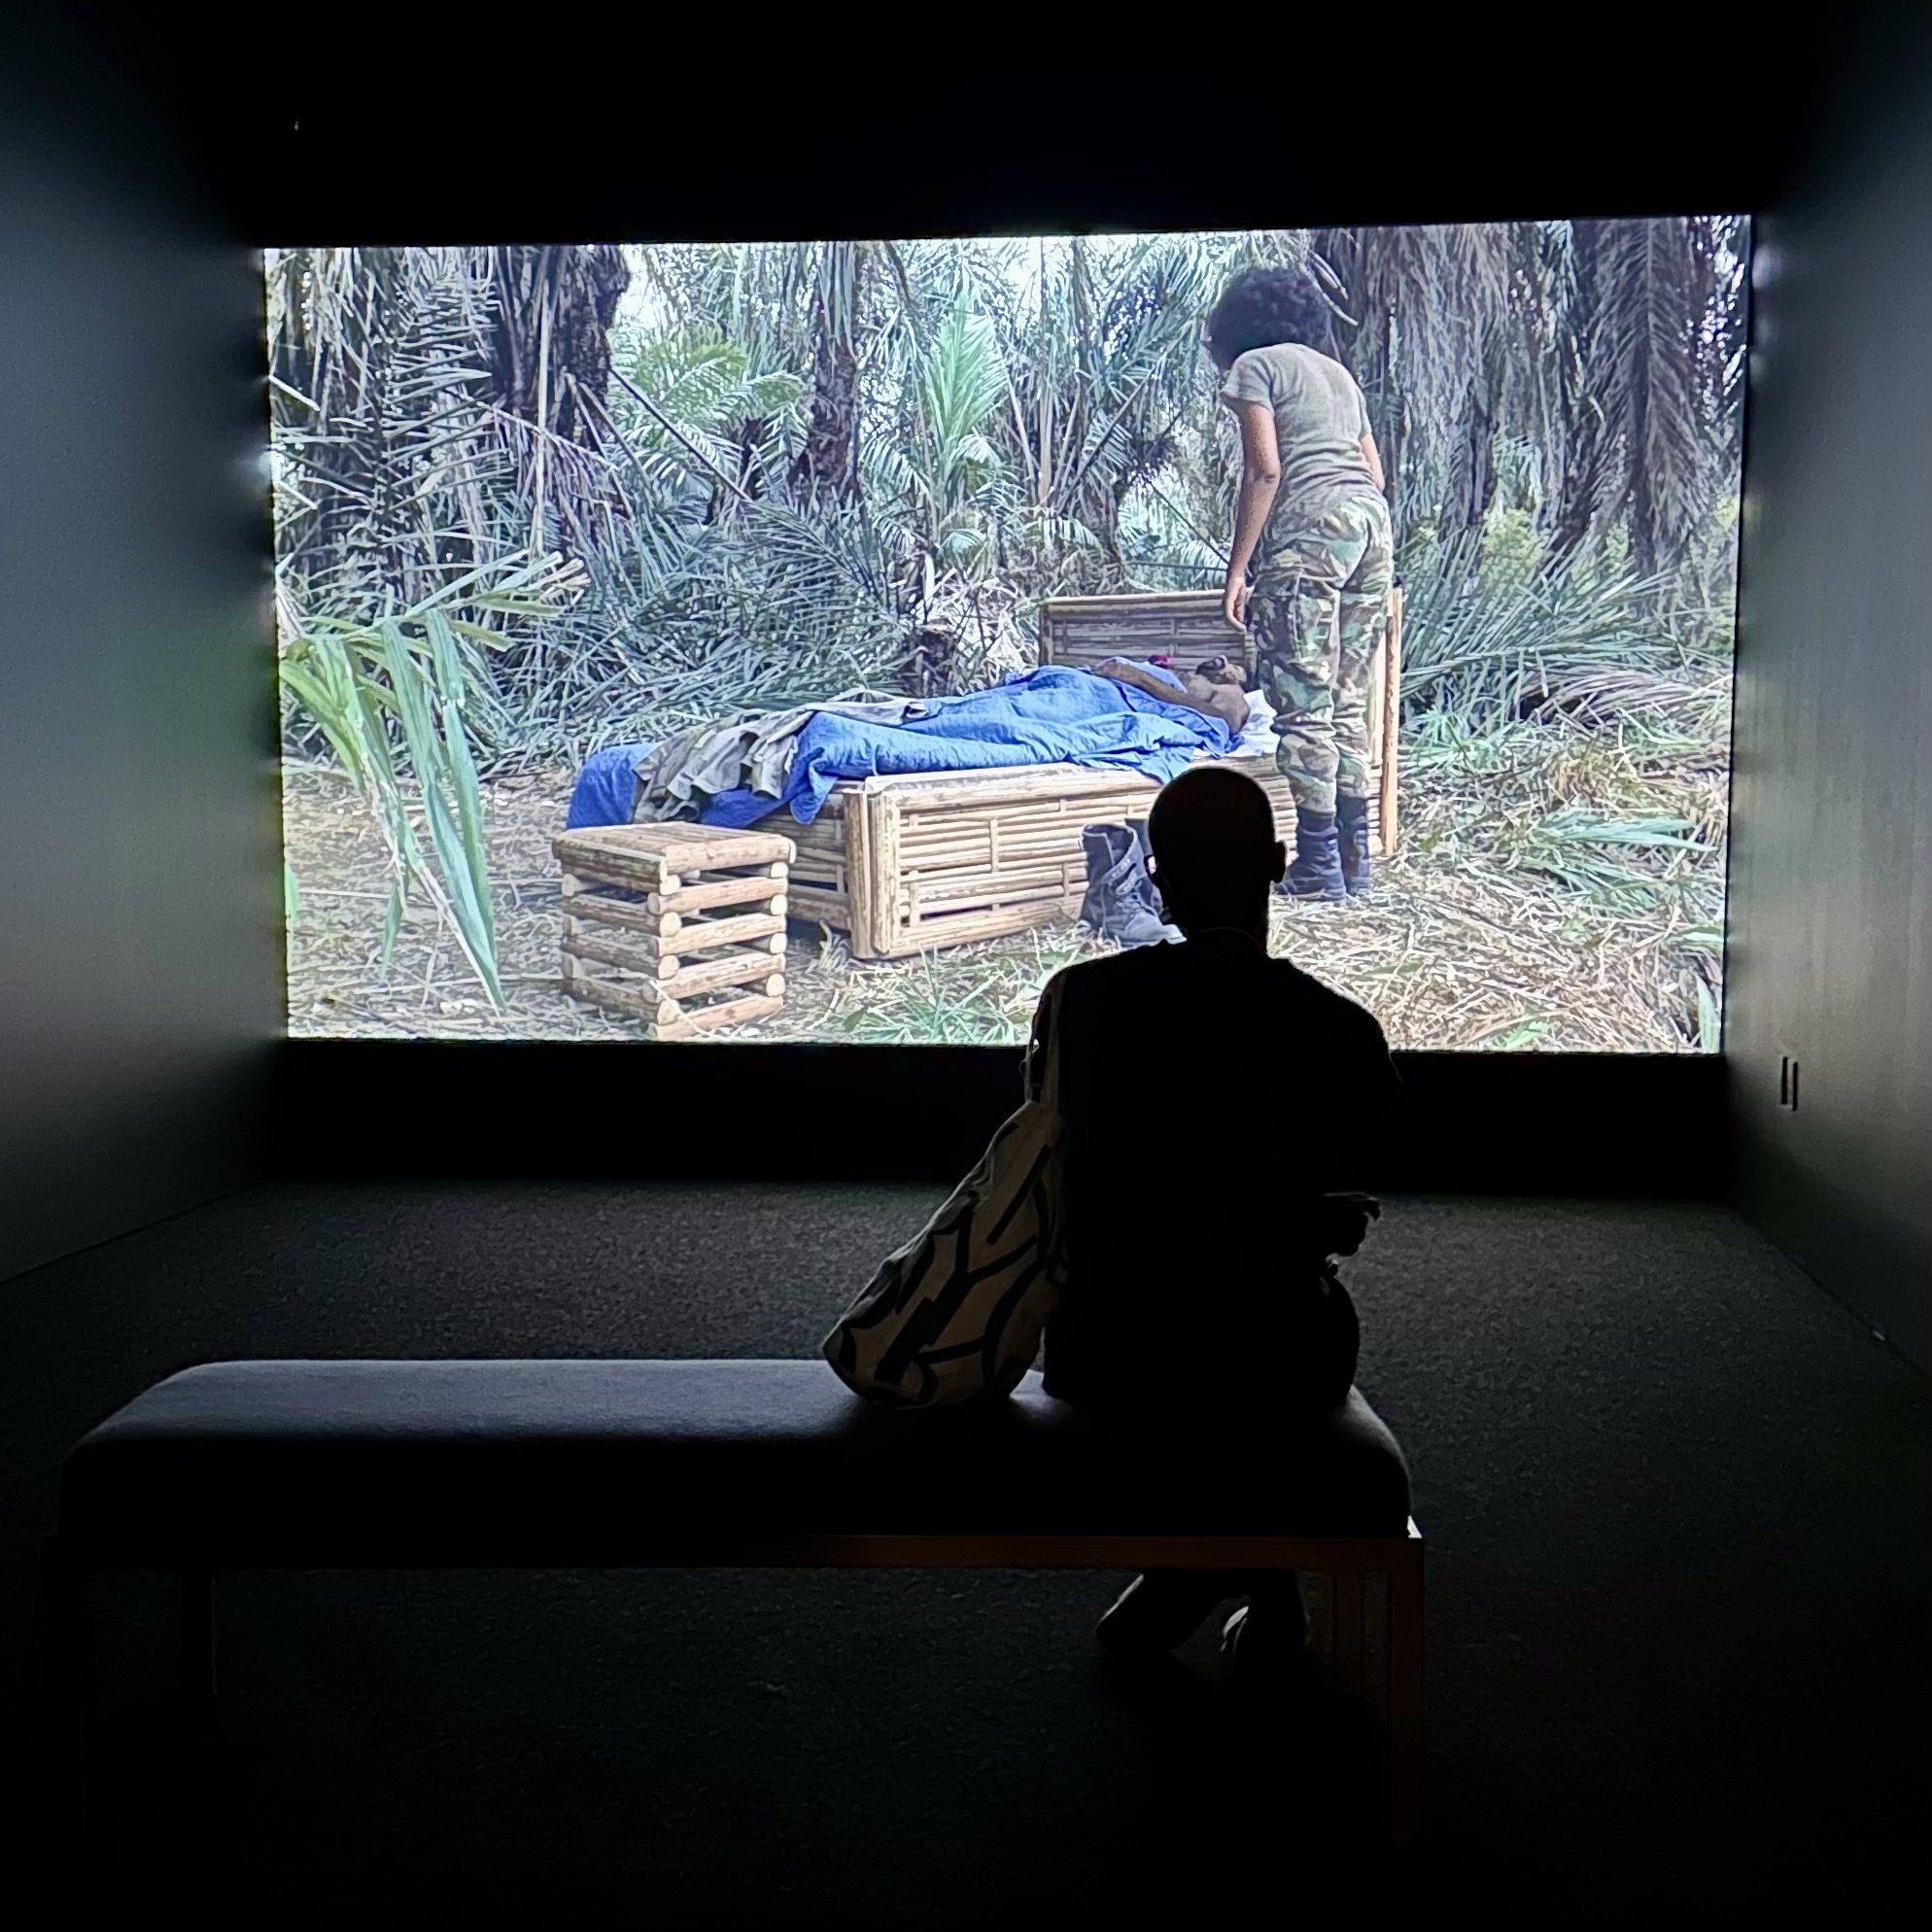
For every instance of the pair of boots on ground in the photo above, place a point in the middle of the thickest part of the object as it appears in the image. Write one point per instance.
(1263, 1641)
(1331, 863)
(1330, 852)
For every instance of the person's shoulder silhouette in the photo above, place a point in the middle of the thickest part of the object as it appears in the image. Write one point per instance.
(1216, 860)
(1179, 1014)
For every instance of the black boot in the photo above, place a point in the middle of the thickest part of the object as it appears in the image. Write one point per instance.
(1108, 850)
(1351, 835)
(1120, 903)
(1317, 869)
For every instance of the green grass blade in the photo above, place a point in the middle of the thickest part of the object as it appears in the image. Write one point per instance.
(392, 922)
(452, 688)
(1710, 1018)
(464, 874)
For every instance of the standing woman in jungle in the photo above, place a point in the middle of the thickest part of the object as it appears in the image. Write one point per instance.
(1312, 563)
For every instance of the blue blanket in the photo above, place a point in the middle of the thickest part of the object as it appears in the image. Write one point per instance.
(606, 789)
(1048, 716)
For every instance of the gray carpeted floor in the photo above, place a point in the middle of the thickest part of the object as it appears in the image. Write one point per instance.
(1679, 1580)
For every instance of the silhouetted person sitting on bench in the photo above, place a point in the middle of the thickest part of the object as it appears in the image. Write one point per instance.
(1216, 1103)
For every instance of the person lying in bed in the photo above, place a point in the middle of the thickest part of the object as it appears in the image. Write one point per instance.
(738, 771)
(1215, 686)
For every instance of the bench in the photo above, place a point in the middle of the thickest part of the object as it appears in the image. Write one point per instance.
(241, 1465)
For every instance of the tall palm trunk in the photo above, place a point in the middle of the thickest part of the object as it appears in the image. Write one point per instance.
(827, 468)
(1586, 429)
(1637, 426)
(550, 348)
(1469, 481)
(1428, 339)
(1392, 440)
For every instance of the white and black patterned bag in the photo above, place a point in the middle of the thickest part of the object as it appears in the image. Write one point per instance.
(956, 1313)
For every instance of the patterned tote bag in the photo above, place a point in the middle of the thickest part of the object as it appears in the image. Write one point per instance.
(956, 1313)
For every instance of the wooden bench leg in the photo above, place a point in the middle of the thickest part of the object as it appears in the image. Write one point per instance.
(1405, 1661)
(1348, 1632)
(198, 1634)
(98, 1756)
(63, 1601)
(95, 1823)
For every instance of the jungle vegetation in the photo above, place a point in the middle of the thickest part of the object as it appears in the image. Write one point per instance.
(530, 500)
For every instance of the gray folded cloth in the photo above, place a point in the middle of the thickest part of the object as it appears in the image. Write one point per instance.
(756, 753)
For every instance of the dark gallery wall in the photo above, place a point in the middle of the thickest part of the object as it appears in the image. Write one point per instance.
(1831, 893)
(139, 902)
(139, 944)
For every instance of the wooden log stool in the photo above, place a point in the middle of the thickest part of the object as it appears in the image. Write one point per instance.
(681, 926)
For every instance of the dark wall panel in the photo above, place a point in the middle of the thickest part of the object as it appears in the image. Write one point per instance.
(139, 950)
(1831, 901)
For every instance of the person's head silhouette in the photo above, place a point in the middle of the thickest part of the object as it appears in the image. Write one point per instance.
(1216, 855)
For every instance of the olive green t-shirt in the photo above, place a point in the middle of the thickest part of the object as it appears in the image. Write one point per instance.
(1320, 422)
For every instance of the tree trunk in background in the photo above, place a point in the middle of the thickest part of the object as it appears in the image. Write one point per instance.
(1428, 341)
(827, 469)
(1669, 462)
(1392, 437)
(578, 289)
(1469, 486)
(1640, 436)
(1586, 431)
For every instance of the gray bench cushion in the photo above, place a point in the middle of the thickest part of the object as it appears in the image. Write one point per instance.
(422, 1464)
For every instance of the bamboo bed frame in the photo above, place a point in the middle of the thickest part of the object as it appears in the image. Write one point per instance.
(904, 863)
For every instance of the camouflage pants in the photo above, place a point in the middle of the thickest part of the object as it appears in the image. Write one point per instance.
(1317, 608)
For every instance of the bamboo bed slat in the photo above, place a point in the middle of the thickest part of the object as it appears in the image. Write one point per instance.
(861, 911)
(1012, 890)
(1184, 626)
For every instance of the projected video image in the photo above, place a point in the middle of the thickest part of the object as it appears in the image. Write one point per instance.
(786, 641)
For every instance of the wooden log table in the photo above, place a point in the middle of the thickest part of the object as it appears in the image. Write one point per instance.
(679, 926)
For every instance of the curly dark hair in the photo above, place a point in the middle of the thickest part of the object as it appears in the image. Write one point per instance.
(1260, 307)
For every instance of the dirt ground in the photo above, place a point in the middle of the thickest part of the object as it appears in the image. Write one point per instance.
(1463, 946)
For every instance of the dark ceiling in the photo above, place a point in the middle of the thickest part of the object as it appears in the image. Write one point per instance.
(388, 130)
